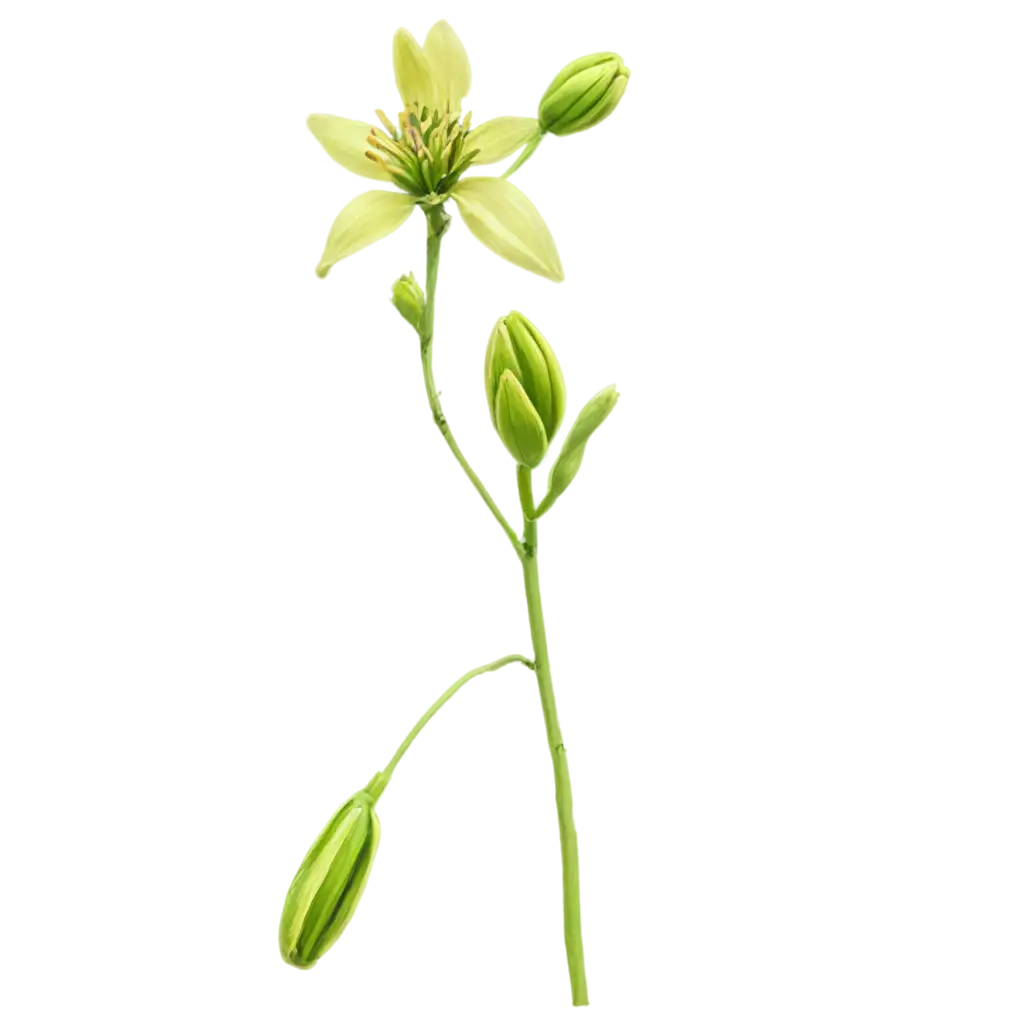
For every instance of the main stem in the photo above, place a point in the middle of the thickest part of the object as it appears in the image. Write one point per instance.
(563, 787)
(437, 224)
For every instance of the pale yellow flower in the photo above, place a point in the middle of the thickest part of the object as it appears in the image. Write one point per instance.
(426, 155)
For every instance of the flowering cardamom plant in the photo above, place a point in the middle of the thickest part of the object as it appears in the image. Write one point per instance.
(425, 157)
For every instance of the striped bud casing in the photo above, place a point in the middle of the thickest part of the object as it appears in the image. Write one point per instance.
(326, 889)
(583, 94)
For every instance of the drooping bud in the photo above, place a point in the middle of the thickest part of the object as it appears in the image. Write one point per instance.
(583, 93)
(407, 298)
(518, 424)
(326, 889)
(520, 349)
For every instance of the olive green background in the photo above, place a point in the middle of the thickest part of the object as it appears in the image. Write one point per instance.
(233, 559)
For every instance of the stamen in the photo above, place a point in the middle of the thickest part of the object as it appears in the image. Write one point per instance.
(465, 159)
(428, 178)
(466, 120)
(417, 140)
(381, 142)
(383, 118)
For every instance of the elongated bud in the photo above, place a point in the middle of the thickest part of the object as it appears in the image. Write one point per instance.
(518, 424)
(520, 349)
(567, 465)
(583, 94)
(325, 892)
(407, 298)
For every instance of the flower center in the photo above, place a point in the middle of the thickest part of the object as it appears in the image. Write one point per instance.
(427, 152)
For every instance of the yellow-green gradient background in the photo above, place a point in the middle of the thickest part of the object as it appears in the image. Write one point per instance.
(786, 594)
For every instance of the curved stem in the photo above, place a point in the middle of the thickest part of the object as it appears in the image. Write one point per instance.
(437, 224)
(563, 787)
(440, 703)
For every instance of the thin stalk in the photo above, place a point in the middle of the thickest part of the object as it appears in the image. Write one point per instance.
(440, 703)
(528, 151)
(437, 224)
(563, 787)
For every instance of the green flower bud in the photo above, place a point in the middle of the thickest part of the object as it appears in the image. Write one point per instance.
(325, 891)
(583, 93)
(518, 424)
(407, 298)
(567, 465)
(520, 349)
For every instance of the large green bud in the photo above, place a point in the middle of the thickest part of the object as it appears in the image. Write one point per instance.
(583, 94)
(525, 388)
(325, 891)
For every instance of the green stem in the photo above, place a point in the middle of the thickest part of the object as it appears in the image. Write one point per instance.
(437, 224)
(528, 151)
(385, 776)
(524, 481)
(563, 787)
(545, 506)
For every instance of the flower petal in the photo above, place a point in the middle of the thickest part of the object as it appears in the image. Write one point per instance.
(508, 223)
(449, 66)
(500, 137)
(367, 219)
(412, 72)
(345, 143)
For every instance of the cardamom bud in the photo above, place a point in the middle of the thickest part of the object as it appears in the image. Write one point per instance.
(583, 94)
(408, 301)
(325, 891)
(521, 350)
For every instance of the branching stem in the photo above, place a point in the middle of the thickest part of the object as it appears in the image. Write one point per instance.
(437, 224)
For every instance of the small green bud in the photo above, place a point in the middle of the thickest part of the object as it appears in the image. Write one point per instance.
(407, 298)
(518, 424)
(325, 892)
(583, 94)
(520, 349)
(567, 465)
